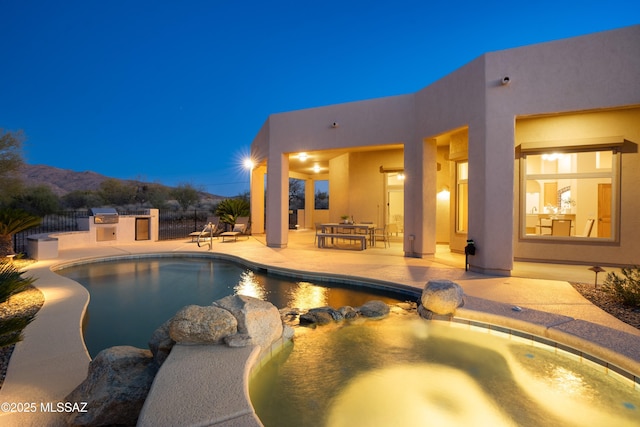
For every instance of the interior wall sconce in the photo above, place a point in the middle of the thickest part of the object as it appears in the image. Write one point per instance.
(505, 80)
(391, 170)
(334, 125)
(444, 193)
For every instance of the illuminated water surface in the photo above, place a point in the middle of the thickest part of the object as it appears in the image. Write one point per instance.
(130, 298)
(405, 371)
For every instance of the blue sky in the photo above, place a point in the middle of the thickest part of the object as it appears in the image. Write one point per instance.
(175, 92)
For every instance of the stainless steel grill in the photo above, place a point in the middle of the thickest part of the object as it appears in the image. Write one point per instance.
(104, 215)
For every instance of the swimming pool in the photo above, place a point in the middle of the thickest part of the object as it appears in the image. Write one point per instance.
(130, 298)
(406, 371)
(357, 373)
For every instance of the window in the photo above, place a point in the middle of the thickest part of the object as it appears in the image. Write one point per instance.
(321, 198)
(569, 194)
(462, 196)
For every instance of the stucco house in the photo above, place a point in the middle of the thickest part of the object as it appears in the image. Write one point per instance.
(531, 152)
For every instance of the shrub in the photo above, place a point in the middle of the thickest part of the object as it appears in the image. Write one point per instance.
(12, 282)
(11, 330)
(229, 210)
(626, 289)
(13, 221)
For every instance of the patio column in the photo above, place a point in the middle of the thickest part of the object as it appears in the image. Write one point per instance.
(309, 202)
(257, 199)
(491, 195)
(278, 201)
(420, 198)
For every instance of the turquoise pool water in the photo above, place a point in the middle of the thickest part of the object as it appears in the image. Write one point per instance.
(130, 298)
(405, 371)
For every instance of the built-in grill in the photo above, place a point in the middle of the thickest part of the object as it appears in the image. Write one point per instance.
(104, 215)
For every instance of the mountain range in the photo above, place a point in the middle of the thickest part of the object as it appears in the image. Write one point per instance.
(63, 181)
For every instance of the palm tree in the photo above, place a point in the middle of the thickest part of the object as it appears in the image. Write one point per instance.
(13, 221)
(229, 210)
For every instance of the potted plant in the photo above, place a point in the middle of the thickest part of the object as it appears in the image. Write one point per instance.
(345, 219)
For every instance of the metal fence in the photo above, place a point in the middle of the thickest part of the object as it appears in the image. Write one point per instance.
(54, 223)
(178, 224)
(172, 224)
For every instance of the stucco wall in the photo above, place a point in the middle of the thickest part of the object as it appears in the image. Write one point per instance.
(125, 232)
(339, 187)
(444, 185)
(592, 72)
(367, 184)
(366, 123)
(608, 123)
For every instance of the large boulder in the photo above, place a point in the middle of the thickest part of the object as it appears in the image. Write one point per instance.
(115, 389)
(316, 317)
(161, 343)
(348, 312)
(259, 321)
(374, 309)
(442, 296)
(195, 324)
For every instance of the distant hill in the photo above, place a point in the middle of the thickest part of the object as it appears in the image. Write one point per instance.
(63, 181)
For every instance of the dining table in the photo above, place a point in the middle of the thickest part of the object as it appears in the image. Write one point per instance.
(350, 228)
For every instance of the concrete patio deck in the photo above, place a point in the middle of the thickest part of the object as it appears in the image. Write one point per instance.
(52, 360)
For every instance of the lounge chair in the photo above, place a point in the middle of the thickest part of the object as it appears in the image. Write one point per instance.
(210, 231)
(206, 230)
(238, 229)
(244, 220)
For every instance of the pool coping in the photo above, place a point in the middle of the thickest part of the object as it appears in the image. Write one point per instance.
(61, 363)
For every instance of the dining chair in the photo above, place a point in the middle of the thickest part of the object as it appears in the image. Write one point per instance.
(545, 226)
(382, 234)
(318, 226)
(588, 228)
(561, 227)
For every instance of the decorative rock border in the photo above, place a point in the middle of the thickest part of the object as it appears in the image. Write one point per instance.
(127, 385)
(120, 378)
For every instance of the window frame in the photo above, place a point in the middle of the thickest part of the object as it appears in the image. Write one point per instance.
(614, 175)
(459, 183)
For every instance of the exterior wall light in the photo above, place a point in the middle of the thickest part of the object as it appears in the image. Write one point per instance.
(248, 163)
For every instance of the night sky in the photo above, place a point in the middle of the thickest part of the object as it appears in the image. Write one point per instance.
(174, 92)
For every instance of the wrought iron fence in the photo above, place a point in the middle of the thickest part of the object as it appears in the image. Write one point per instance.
(178, 224)
(58, 222)
(172, 224)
